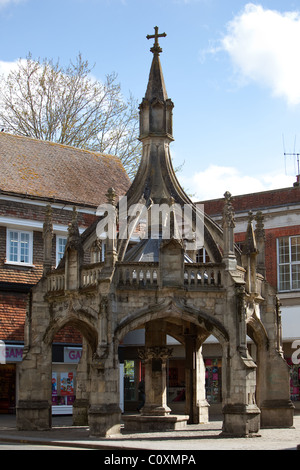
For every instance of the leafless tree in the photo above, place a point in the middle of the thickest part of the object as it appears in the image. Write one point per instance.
(44, 100)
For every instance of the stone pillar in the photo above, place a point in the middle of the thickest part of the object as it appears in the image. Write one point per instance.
(155, 355)
(34, 405)
(34, 402)
(104, 415)
(228, 225)
(47, 237)
(196, 403)
(260, 241)
(241, 413)
(156, 380)
(81, 403)
(73, 255)
(111, 255)
(277, 409)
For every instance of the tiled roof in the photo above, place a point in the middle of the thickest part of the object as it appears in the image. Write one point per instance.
(53, 171)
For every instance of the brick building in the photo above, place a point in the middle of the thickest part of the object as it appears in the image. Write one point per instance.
(34, 175)
(281, 219)
(280, 209)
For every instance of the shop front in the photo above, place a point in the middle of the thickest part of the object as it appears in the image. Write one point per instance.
(11, 355)
(64, 365)
(133, 373)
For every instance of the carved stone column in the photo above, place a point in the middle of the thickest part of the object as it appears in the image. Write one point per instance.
(228, 225)
(47, 238)
(156, 380)
(196, 403)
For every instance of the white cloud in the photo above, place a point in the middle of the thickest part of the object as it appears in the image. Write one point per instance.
(4, 3)
(263, 45)
(7, 67)
(215, 180)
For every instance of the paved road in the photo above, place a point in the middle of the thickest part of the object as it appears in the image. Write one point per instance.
(193, 438)
(16, 446)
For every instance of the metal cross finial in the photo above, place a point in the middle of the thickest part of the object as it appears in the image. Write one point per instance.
(156, 48)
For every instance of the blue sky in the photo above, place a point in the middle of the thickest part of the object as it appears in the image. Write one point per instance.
(231, 67)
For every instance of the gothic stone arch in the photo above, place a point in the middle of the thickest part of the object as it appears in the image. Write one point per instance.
(190, 327)
(159, 283)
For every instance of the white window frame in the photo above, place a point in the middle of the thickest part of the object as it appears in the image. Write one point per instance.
(57, 252)
(30, 247)
(290, 264)
(205, 255)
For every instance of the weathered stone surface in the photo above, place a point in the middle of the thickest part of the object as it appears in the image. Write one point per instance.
(169, 294)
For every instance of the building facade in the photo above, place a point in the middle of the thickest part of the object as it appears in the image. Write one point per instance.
(159, 286)
(36, 175)
(279, 212)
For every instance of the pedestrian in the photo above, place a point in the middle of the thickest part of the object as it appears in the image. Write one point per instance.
(142, 394)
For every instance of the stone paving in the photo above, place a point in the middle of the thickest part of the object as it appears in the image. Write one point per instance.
(193, 438)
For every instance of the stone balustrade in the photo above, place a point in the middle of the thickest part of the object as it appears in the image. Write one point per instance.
(130, 274)
(90, 274)
(201, 274)
(143, 274)
(56, 281)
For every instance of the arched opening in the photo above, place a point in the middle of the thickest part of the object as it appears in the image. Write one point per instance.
(258, 349)
(190, 376)
(73, 342)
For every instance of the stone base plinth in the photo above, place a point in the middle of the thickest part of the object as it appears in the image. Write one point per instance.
(80, 412)
(241, 420)
(277, 414)
(104, 420)
(33, 415)
(141, 423)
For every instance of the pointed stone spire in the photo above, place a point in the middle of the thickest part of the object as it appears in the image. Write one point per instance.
(111, 245)
(73, 231)
(156, 182)
(156, 108)
(73, 254)
(228, 224)
(249, 256)
(156, 88)
(47, 237)
(250, 247)
(261, 242)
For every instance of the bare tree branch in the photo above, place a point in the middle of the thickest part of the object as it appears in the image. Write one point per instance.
(44, 100)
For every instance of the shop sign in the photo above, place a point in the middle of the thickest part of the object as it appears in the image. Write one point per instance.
(2, 352)
(10, 353)
(72, 355)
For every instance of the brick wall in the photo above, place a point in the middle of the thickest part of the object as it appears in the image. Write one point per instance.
(13, 304)
(12, 315)
(255, 201)
(271, 248)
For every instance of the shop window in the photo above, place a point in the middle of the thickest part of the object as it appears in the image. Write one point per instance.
(129, 381)
(213, 380)
(288, 259)
(176, 381)
(294, 380)
(63, 388)
(19, 247)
